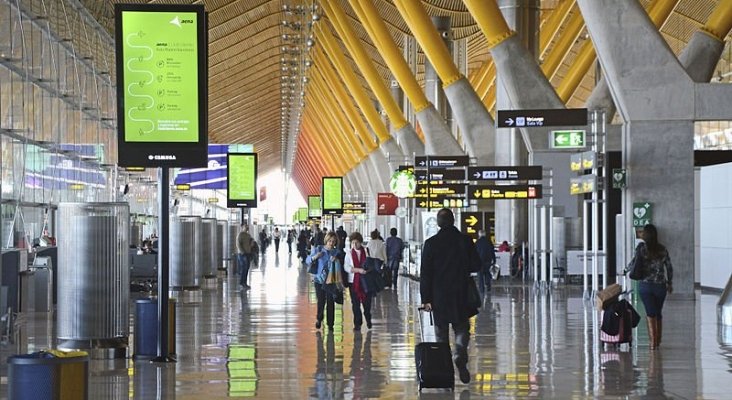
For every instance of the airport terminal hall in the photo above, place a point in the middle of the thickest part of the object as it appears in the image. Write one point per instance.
(365, 199)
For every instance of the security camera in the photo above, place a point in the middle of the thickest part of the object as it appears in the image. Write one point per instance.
(445, 34)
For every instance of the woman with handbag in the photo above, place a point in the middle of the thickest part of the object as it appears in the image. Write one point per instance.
(319, 260)
(354, 263)
(651, 266)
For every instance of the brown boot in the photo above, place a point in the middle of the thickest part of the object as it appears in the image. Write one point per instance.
(651, 321)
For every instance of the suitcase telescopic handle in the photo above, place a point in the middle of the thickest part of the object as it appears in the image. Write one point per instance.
(420, 310)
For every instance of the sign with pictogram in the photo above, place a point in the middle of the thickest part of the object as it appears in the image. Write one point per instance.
(569, 139)
(583, 184)
(471, 223)
(443, 201)
(541, 118)
(504, 192)
(508, 173)
(441, 161)
(387, 203)
(439, 174)
(443, 189)
(620, 178)
(642, 214)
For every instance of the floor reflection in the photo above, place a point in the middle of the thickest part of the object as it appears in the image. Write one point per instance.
(261, 343)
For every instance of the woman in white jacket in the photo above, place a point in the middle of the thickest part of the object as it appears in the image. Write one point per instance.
(376, 247)
(353, 264)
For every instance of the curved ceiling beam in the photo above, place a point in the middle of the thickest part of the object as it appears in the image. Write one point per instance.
(353, 44)
(339, 122)
(349, 78)
(377, 29)
(330, 78)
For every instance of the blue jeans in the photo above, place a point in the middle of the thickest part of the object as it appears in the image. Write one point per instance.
(243, 268)
(653, 295)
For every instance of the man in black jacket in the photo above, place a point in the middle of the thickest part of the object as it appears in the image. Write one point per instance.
(448, 259)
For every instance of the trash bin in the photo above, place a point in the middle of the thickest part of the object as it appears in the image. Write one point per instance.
(146, 328)
(49, 375)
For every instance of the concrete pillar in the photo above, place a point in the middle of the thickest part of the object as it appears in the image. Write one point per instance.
(511, 57)
(699, 58)
(432, 82)
(658, 134)
(438, 139)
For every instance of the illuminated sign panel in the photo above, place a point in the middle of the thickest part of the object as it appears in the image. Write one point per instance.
(302, 214)
(354, 208)
(314, 207)
(241, 190)
(162, 75)
(332, 195)
(505, 192)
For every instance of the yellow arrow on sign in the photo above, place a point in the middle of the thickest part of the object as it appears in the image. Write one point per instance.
(472, 220)
(477, 194)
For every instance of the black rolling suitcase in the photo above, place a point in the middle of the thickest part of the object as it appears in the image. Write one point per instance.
(434, 362)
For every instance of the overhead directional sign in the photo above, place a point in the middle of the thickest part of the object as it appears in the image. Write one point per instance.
(518, 173)
(541, 118)
(354, 208)
(441, 161)
(442, 202)
(445, 189)
(570, 139)
(439, 174)
(471, 223)
(504, 192)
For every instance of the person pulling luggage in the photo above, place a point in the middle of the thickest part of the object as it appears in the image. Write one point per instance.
(448, 259)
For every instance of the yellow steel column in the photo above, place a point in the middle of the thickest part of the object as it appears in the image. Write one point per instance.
(325, 158)
(561, 48)
(434, 47)
(383, 41)
(328, 123)
(720, 21)
(314, 136)
(354, 86)
(331, 111)
(341, 143)
(490, 20)
(659, 12)
(353, 44)
(330, 77)
(330, 107)
(549, 30)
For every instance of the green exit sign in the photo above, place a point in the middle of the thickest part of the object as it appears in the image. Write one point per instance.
(571, 139)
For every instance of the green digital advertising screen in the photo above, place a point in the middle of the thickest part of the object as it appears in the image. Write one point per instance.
(302, 214)
(314, 207)
(332, 195)
(242, 180)
(161, 83)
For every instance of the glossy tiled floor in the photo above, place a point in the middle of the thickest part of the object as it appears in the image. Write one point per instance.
(262, 343)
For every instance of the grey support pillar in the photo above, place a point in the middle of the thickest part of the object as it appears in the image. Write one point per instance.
(409, 141)
(459, 104)
(438, 139)
(658, 134)
(519, 84)
(432, 82)
(699, 58)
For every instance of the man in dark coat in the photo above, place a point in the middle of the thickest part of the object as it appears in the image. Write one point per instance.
(448, 259)
(487, 254)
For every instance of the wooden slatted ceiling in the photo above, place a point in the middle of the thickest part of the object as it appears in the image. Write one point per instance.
(244, 54)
